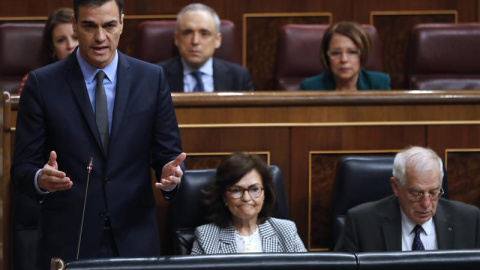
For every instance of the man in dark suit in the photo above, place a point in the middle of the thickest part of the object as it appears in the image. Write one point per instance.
(196, 70)
(415, 217)
(125, 121)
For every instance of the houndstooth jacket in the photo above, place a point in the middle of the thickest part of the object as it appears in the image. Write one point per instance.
(278, 235)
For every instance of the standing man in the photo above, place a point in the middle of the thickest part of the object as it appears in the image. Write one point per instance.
(415, 217)
(102, 104)
(196, 70)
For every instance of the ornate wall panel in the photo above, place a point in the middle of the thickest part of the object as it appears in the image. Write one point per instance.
(463, 168)
(394, 29)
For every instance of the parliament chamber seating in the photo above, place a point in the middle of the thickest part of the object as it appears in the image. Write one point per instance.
(155, 43)
(187, 210)
(444, 57)
(416, 260)
(19, 52)
(20, 212)
(361, 179)
(298, 53)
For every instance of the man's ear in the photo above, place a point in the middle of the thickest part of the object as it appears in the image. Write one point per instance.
(175, 38)
(218, 40)
(393, 184)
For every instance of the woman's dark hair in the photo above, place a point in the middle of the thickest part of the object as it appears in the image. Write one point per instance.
(229, 173)
(47, 52)
(352, 30)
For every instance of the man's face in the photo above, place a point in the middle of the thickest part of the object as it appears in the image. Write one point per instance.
(421, 210)
(98, 30)
(196, 37)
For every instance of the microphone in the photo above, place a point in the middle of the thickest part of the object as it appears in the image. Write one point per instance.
(89, 170)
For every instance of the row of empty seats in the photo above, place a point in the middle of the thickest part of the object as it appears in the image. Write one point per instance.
(441, 56)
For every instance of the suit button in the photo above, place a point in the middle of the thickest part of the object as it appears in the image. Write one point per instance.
(102, 214)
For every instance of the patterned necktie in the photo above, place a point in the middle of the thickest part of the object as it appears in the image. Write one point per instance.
(198, 78)
(101, 110)
(417, 243)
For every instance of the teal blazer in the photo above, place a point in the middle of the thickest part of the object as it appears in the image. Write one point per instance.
(367, 80)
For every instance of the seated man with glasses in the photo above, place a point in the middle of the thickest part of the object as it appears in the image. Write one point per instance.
(344, 52)
(415, 217)
(242, 200)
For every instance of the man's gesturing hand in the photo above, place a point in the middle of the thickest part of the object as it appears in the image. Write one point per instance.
(171, 173)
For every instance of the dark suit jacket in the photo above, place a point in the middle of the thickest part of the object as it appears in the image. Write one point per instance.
(367, 80)
(377, 226)
(227, 76)
(55, 113)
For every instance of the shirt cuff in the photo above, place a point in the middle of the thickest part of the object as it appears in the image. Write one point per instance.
(39, 190)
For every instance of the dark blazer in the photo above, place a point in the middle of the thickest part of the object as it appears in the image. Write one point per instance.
(55, 113)
(278, 235)
(367, 80)
(227, 76)
(377, 226)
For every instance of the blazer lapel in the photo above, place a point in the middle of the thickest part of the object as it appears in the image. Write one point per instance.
(221, 78)
(392, 227)
(124, 84)
(443, 229)
(77, 85)
(270, 241)
(226, 241)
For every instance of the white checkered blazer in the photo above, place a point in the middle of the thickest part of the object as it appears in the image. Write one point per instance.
(278, 235)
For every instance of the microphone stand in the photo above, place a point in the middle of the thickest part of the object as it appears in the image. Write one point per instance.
(89, 170)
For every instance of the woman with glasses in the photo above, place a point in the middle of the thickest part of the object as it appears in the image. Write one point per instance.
(344, 51)
(242, 201)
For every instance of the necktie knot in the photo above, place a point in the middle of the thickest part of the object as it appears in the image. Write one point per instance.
(100, 76)
(197, 75)
(417, 242)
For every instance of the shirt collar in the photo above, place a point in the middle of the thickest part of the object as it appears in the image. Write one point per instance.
(89, 72)
(407, 225)
(206, 69)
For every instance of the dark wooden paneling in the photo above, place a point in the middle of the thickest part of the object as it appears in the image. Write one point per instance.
(395, 46)
(341, 140)
(260, 61)
(463, 168)
(261, 34)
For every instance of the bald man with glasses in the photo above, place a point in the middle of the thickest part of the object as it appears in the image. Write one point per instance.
(415, 217)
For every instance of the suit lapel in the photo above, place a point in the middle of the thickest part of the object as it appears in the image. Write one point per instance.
(175, 75)
(270, 241)
(221, 78)
(443, 229)
(124, 85)
(226, 242)
(77, 85)
(392, 227)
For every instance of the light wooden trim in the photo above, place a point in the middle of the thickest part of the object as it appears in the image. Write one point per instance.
(275, 15)
(197, 154)
(150, 17)
(23, 18)
(332, 124)
(331, 152)
(413, 12)
(458, 150)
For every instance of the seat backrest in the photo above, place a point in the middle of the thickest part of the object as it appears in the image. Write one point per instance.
(359, 180)
(188, 211)
(19, 52)
(298, 53)
(155, 43)
(444, 57)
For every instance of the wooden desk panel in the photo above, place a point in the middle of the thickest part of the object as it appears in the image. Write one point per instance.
(305, 133)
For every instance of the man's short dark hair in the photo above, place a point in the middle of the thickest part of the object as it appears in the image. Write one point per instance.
(95, 3)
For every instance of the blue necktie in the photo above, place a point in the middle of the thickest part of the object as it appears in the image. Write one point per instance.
(198, 77)
(417, 243)
(101, 110)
